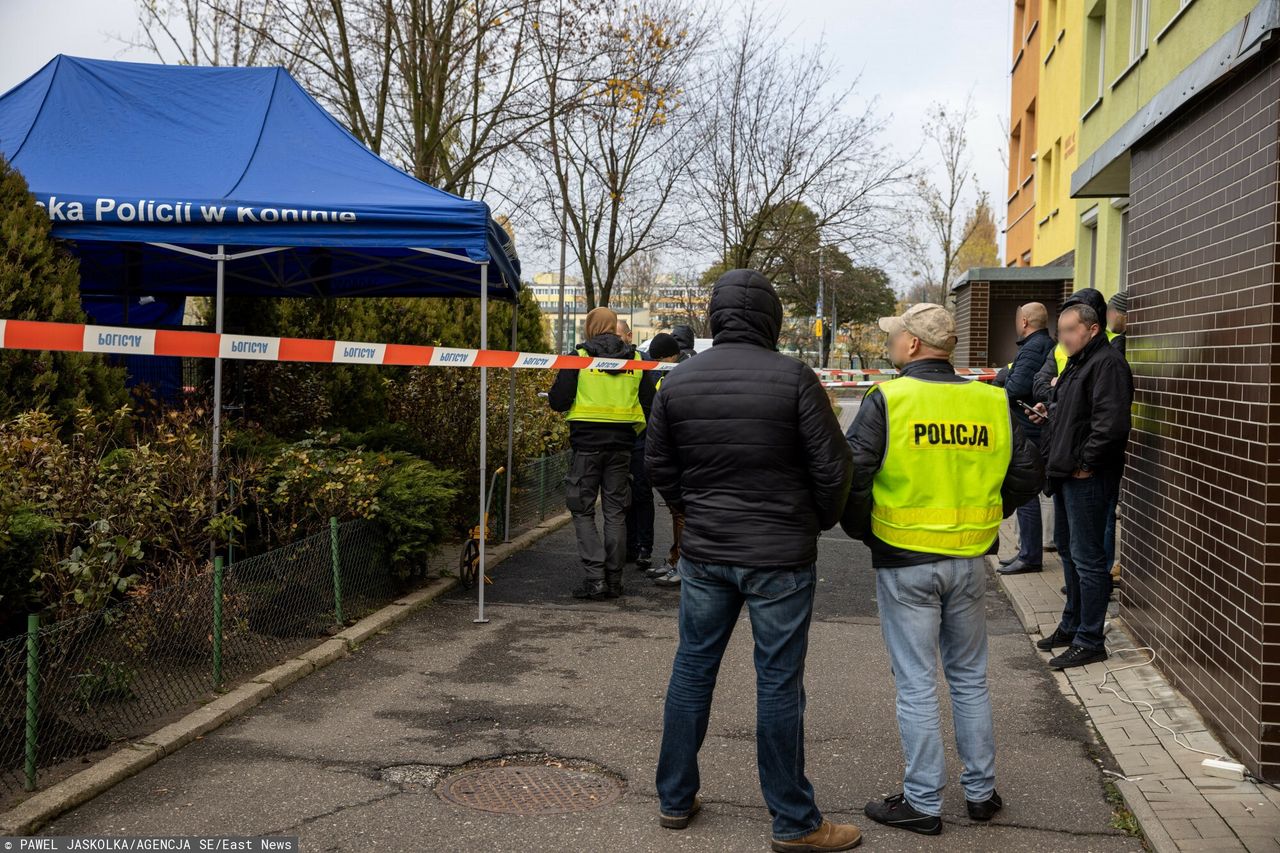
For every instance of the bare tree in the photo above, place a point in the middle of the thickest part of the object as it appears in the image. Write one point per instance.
(685, 302)
(776, 139)
(615, 146)
(941, 226)
(443, 87)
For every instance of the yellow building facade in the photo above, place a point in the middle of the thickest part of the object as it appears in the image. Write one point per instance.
(1058, 124)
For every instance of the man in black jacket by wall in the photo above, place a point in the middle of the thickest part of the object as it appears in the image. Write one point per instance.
(1084, 445)
(744, 441)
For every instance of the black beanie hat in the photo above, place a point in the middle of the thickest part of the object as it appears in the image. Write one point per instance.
(1120, 302)
(663, 346)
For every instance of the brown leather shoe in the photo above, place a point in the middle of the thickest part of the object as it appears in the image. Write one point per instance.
(680, 821)
(829, 836)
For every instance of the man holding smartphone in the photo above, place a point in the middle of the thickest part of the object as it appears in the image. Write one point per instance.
(1034, 346)
(1083, 448)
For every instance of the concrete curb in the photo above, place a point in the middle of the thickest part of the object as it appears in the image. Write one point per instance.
(43, 806)
(1153, 831)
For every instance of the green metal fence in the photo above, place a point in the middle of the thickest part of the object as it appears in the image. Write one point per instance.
(74, 687)
(537, 493)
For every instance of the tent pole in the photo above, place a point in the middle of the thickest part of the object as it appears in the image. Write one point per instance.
(216, 440)
(484, 438)
(511, 428)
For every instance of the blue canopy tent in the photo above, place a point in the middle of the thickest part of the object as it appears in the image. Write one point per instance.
(177, 181)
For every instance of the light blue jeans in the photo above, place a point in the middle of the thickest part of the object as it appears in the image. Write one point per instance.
(926, 611)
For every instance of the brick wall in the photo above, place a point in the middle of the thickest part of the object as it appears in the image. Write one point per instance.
(971, 309)
(1201, 503)
(973, 313)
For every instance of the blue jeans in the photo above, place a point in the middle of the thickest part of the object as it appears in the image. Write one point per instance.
(1109, 541)
(780, 603)
(1081, 507)
(1031, 533)
(926, 611)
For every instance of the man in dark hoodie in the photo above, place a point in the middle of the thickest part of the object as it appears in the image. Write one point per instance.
(744, 441)
(605, 410)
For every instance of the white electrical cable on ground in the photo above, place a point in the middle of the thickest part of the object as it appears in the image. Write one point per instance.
(1151, 709)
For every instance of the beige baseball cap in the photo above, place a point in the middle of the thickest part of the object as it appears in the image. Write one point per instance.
(931, 323)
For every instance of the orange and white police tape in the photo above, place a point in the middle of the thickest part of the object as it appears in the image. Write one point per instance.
(125, 340)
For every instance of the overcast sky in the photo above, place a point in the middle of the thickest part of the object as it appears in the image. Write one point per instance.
(908, 53)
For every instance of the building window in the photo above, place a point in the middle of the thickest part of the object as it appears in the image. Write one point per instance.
(1140, 10)
(1019, 25)
(1029, 145)
(1015, 160)
(1123, 283)
(1048, 186)
(1090, 235)
(1095, 58)
(1051, 18)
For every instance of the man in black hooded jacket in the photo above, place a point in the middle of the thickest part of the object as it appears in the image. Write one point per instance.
(745, 442)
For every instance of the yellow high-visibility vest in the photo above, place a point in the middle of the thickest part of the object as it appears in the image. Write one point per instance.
(1060, 352)
(610, 398)
(949, 446)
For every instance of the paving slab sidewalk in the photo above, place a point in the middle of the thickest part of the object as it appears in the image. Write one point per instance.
(1180, 808)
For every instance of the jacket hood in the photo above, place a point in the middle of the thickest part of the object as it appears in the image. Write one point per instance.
(608, 345)
(683, 336)
(1091, 297)
(745, 309)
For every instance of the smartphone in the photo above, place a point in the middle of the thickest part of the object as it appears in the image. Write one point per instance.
(1031, 410)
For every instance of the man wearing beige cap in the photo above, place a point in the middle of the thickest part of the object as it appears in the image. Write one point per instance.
(938, 462)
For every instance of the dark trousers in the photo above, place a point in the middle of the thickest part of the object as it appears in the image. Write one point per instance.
(1080, 507)
(1031, 533)
(640, 512)
(1109, 543)
(606, 474)
(780, 603)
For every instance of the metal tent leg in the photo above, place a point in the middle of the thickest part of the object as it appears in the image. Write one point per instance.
(216, 439)
(484, 438)
(511, 429)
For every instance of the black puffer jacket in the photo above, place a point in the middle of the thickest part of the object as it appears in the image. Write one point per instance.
(744, 439)
(869, 437)
(1089, 425)
(586, 436)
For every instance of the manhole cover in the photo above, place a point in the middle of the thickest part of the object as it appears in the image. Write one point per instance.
(530, 790)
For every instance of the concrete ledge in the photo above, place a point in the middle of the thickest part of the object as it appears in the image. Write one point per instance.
(398, 611)
(325, 653)
(80, 788)
(40, 808)
(1153, 831)
(286, 673)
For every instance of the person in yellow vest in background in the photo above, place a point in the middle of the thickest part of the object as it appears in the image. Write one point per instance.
(606, 411)
(938, 462)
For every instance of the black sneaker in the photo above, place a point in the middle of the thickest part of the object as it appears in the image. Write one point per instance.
(593, 590)
(895, 811)
(986, 809)
(644, 559)
(1055, 640)
(1078, 656)
(1007, 560)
